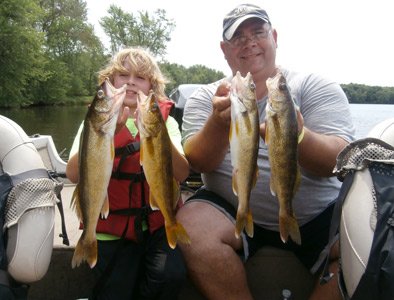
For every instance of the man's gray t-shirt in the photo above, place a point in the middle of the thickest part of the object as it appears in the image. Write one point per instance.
(325, 109)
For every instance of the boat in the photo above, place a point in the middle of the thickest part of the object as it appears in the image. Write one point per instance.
(272, 273)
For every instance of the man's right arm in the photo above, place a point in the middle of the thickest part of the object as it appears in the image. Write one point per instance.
(207, 148)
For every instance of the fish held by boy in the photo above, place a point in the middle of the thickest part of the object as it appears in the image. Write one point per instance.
(244, 146)
(281, 138)
(156, 160)
(96, 154)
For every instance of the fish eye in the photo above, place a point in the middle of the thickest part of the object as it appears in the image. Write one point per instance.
(100, 94)
(252, 86)
(282, 86)
(155, 106)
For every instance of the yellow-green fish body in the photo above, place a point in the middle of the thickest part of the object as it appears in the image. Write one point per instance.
(244, 146)
(96, 154)
(156, 160)
(282, 141)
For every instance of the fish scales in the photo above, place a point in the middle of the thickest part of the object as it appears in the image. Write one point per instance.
(96, 154)
(156, 160)
(282, 143)
(244, 144)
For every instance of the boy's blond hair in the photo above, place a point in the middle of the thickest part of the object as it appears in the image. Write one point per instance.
(142, 64)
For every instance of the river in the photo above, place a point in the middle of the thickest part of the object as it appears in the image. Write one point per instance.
(63, 122)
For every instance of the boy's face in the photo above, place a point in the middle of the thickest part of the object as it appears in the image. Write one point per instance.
(134, 84)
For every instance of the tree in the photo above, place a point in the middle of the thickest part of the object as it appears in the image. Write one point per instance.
(178, 74)
(22, 58)
(148, 31)
(70, 41)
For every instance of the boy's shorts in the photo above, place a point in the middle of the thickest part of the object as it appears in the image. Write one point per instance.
(314, 234)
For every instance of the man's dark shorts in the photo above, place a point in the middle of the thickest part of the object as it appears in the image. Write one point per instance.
(314, 235)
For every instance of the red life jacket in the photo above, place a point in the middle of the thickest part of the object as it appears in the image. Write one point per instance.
(128, 179)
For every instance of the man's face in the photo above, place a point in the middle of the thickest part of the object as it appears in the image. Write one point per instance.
(252, 48)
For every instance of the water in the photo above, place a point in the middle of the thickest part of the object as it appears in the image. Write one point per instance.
(63, 122)
(366, 116)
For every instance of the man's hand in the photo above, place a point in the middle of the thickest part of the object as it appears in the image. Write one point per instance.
(221, 104)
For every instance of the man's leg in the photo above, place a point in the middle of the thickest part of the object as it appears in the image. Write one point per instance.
(211, 260)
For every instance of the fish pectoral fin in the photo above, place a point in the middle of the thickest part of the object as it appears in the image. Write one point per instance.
(112, 150)
(105, 208)
(266, 136)
(256, 176)
(153, 202)
(177, 193)
(297, 182)
(235, 183)
(272, 187)
(141, 155)
(231, 133)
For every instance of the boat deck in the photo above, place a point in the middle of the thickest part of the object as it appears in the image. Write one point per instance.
(269, 272)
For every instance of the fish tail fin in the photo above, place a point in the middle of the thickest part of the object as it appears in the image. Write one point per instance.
(288, 226)
(176, 233)
(85, 251)
(242, 221)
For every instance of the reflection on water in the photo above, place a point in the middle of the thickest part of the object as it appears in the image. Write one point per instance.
(62, 123)
(366, 116)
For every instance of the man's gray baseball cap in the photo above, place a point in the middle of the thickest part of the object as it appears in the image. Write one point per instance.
(239, 14)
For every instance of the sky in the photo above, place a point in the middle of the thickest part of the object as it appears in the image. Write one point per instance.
(348, 41)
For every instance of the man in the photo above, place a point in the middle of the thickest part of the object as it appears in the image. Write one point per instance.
(214, 258)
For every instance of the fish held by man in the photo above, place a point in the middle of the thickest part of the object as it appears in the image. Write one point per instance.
(244, 146)
(281, 138)
(96, 155)
(156, 160)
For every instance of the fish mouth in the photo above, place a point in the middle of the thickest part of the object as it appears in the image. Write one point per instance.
(144, 100)
(113, 93)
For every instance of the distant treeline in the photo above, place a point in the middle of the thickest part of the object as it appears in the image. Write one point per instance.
(360, 93)
(50, 54)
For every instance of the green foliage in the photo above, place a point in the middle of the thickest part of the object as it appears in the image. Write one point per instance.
(21, 55)
(178, 74)
(148, 31)
(360, 93)
(70, 40)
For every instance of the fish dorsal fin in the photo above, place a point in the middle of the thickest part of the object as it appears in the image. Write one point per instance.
(75, 204)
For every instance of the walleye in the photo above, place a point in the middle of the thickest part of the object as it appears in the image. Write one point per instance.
(281, 138)
(156, 160)
(96, 154)
(244, 147)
